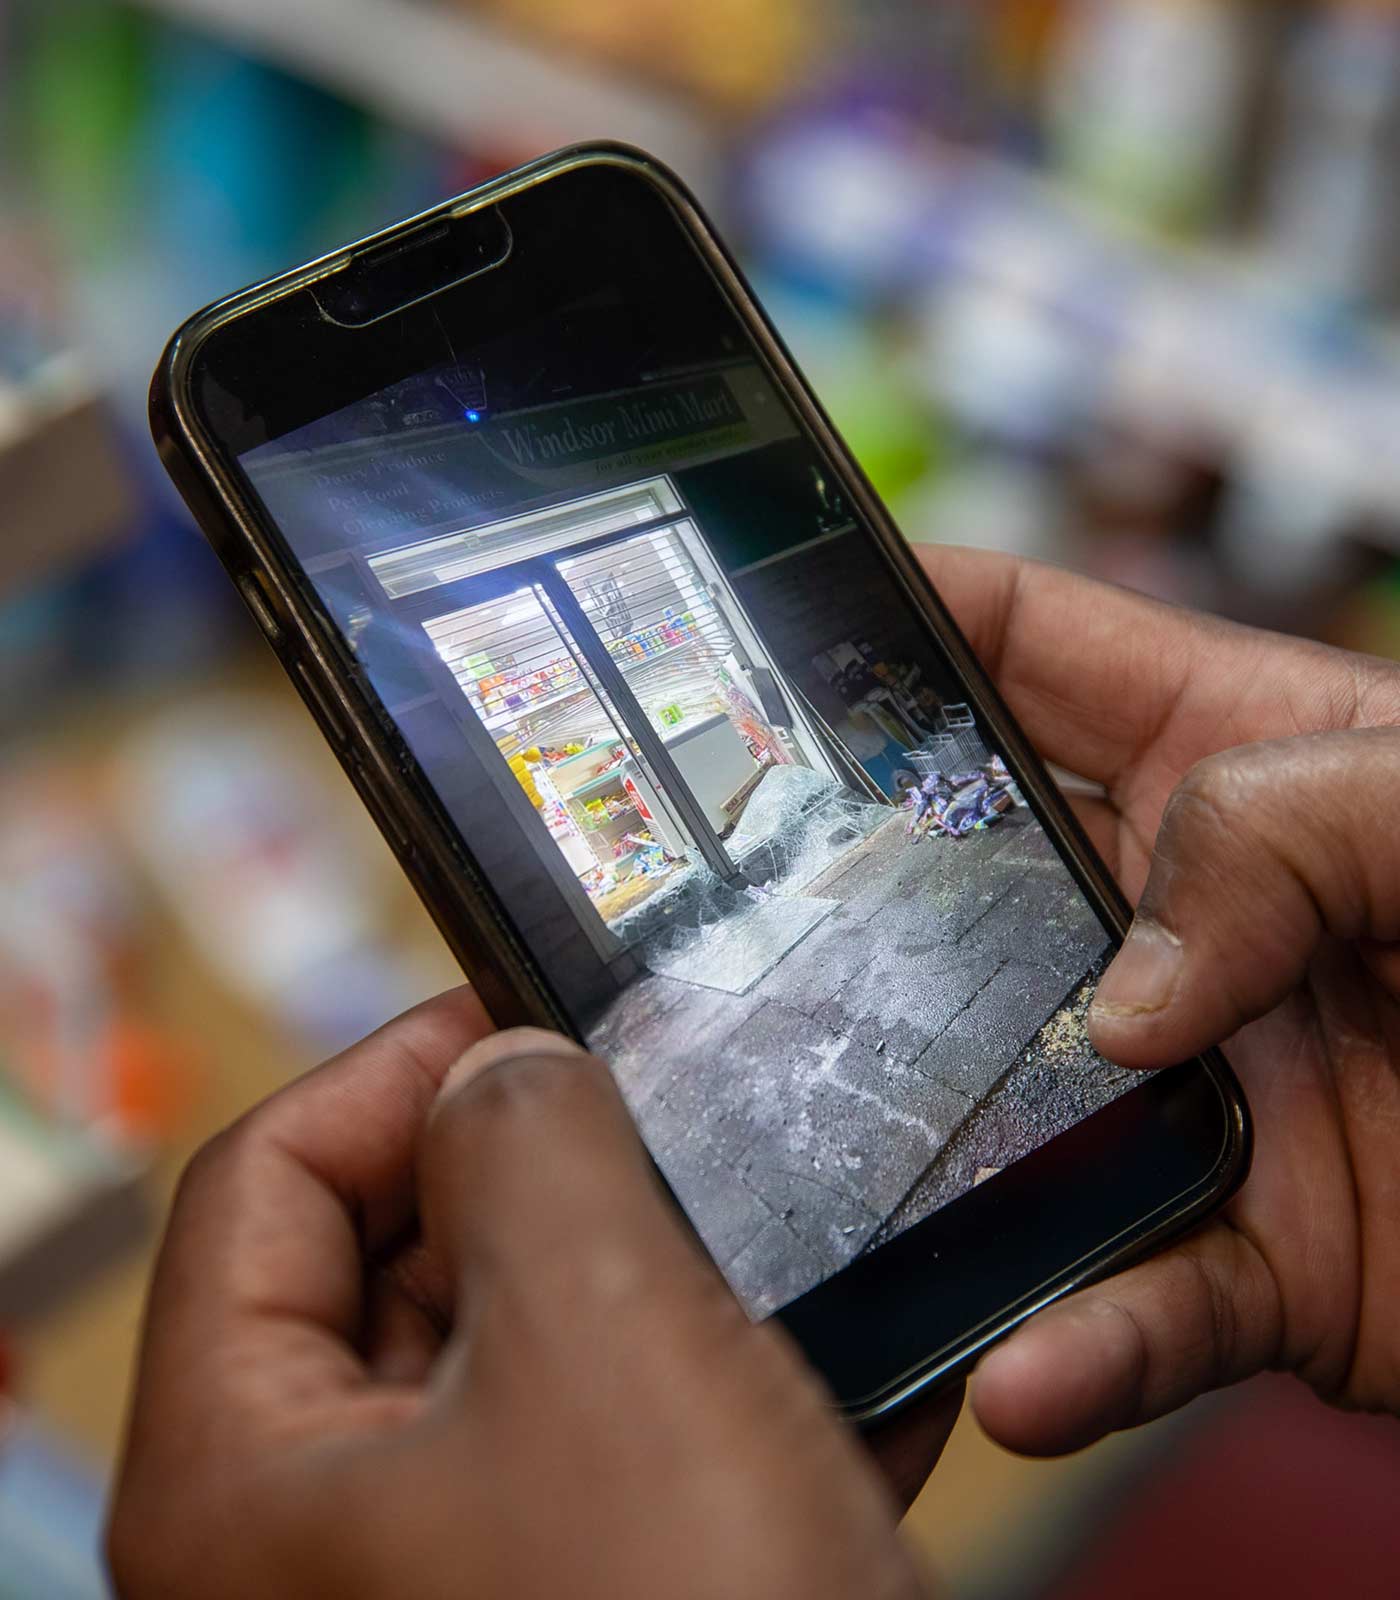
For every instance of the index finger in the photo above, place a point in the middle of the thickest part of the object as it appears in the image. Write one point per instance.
(258, 1291)
(1092, 672)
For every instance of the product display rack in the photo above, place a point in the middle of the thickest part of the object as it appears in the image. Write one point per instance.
(455, 78)
(599, 834)
(445, 72)
(64, 483)
(463, 80)
(1192, 334)
(71, 1202)
(69, 1205)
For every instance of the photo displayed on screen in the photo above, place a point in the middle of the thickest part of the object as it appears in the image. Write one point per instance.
(686, 719)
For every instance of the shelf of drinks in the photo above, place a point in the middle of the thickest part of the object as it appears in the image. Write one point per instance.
(445, 73)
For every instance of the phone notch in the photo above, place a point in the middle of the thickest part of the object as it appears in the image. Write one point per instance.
(412, 267)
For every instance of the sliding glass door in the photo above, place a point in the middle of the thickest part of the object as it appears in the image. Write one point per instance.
(588, 642)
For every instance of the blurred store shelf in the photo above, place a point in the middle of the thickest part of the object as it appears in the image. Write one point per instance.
(446, 74)
(51, 1515)
(1207, 344)
(70, 1205)
(64, 483)
(191, 1043)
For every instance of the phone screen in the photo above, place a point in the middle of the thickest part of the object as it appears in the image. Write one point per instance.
(672, 693)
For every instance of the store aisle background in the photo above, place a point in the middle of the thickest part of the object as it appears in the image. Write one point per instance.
(1114, 282)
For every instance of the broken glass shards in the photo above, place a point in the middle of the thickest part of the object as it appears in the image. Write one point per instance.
(797, 824)
(730, 935)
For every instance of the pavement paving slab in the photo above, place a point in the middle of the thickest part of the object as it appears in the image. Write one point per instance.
(942, 914)
(833, 1224)
(886, 867)
(796, 1120)
(732, 1215)
(981, 1044)
(901, 1003)
(1028, 848)
(775, 1268)
(672, 1030)
(766, 1114)
(818, 968)
(1044, 920)
(1058, 1079)
(625, 1035)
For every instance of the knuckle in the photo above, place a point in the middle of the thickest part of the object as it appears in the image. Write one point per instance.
(1377, 694)
(1213, 785)
(1228, 824)
(1227, 796)
(202, 1171)
(217, 1165)
(1216, 1313)
(526, 1087)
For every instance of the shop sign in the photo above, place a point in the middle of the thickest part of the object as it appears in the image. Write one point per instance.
(372, 494)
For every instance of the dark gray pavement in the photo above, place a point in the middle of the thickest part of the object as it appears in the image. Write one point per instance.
(796, 1120)
(1058, 1080)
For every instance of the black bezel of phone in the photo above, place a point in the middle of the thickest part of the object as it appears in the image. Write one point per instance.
(921, 1309)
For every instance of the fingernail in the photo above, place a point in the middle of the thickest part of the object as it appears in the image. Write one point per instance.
(1142, 980)
(512, 1045)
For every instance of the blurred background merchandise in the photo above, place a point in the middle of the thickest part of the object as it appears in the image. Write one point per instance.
(1110, 282)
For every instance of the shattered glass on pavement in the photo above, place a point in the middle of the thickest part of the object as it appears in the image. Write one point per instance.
(798, 824)
(725, 936)
(894, 1020)
(745, 948)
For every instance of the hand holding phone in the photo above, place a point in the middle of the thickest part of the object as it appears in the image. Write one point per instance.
(689, 761)
(554, 1395)
(1279, 916)
(296, 1315)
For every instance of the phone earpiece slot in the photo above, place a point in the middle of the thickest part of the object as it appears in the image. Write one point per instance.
(377, 282)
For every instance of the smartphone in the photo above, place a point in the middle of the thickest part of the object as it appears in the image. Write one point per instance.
(686, 757)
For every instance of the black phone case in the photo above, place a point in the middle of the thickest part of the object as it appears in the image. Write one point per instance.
(464, 905)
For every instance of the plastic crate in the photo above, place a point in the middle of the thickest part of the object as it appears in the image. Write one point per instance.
(957, 747)
(933, 757)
